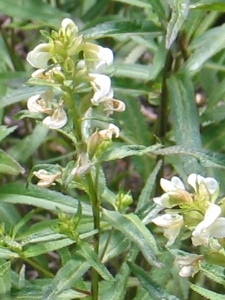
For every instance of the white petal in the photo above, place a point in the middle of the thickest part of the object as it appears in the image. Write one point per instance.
(57, 120)
(211, 184)
(217, 229)
(39, 56)
(186, 271)
(37, 104)
(194, 180)
(110, 131)
(171, 185)
(102, 87)
(168, 220)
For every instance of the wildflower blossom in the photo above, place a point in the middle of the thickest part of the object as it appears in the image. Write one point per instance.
(46, 178)
(189, 265)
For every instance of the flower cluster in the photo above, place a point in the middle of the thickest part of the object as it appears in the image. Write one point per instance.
(70, 64)
(194, 212)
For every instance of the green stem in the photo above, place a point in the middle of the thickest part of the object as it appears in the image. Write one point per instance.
(96, 219)
(38, 267)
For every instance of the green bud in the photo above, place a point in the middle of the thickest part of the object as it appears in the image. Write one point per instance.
(123, 200)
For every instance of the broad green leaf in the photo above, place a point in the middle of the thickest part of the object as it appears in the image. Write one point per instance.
(32, 10)
(5, 277)
(18, 95)
(5, 131)
(154, 290)
(126, 28)
(41, 197)
(201, 51)
(184, 117)
(92, 258)
(8, 165)
(21, 152)
(180, 9)
(66, 277)
(120, 151)
(207, 158)
(209, 5)
(132, 227)
(206, 293)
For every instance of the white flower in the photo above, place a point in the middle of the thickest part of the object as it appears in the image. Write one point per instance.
(68, 26)
(189, 265)
(210, 183)
(172, 185)
(109, 132)
(112, 105)
(40, 56)
(101, 85)
(171, 224)
(46, 178)
(40, 103)
(97, 57)
(211, 227)
(57, 120)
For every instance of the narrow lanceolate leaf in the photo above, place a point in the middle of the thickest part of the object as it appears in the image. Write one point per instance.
(206, 157)
(92, 258)
(209, 5)
(66, 277)
(184, 117)
(8, 165)
(115, 28)
(32, 10)
(180, 9)
(121, 151)
(214, 272)
(21, 94)
(5, 131)
(5, 278)
(148, 188)
(41, 197)
(155, 291)
(206, 293)
(132, 227)
(201, 51)
(137, 3)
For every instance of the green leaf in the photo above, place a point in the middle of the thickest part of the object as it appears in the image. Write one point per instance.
(41, 197)
(66, 277)
(18, 95)
(206, 293)
(112, 244)
(134, 71)
(118, 152)
(154, 290)
(137, 3)
(7, 254)
(8, 165)
(5, 131)
(207, 158)
(32, 10)
(148, 188)
(21, 152)
(126, 28)
(92, 258)
(45, 247)
(180, 9)
(201, 50)
(5, 277)
(215, 273)
(184, 117)
(132, 227)
(209, 5)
